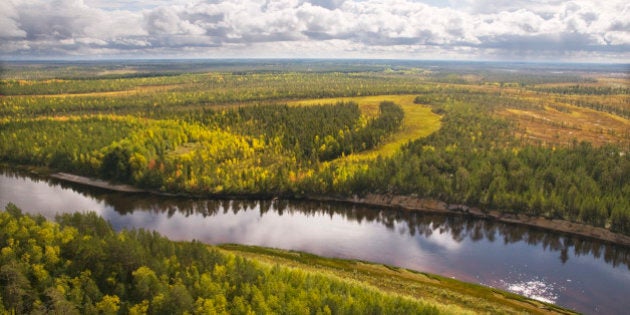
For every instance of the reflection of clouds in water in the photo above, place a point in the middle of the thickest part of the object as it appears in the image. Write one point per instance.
(316, 232)
(319, 233)
(444, 240)
(451, 246)
(44, 198)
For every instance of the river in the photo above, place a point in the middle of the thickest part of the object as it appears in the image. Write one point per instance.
(584, 275)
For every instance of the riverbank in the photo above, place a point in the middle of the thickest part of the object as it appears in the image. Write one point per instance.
(458, 296)
(429, 205)
(409, 203)
(97, 183)
(280, 279)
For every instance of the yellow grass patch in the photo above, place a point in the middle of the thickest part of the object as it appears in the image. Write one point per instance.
(618, 101)
(117, 72)
(553, 126)
(419, 120)
(135, 90)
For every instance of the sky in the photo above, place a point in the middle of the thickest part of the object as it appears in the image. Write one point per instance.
(515, 30)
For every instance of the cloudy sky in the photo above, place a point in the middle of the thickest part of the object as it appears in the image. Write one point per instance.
(552, 30)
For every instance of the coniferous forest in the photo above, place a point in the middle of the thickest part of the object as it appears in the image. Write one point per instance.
(551, 145)
(81, 266)
(554, 146)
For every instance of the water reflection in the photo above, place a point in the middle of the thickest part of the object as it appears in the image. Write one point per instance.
(583, 274)
(416, 224)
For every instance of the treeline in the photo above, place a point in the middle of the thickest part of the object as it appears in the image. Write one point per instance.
(315, 133)
(583, 89)
(93, 85)
(166, 154)
(251, 150)
(163, 96)
(81, 266)
(153, 96)
(474, 159)
(617, 105)
(68, 144)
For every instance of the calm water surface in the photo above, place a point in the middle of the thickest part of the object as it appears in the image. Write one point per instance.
(584, 275)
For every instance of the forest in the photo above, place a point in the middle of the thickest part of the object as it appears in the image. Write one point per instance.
(79, 265)
(545, 145)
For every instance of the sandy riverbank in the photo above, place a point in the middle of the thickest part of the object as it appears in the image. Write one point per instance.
(97, 183)
(409, 203)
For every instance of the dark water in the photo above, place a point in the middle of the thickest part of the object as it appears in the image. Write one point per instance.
(584, 275)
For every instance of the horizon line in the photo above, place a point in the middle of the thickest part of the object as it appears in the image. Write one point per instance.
(183, 59)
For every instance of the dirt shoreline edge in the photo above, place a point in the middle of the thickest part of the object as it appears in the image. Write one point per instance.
(409, 203)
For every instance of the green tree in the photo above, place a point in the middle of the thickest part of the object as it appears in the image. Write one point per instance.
(146, 283)
(109, 305)
(116, 165)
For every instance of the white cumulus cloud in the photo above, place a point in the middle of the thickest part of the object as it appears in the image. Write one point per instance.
(318, 28)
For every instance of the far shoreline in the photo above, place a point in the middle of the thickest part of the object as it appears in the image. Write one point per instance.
(409, 203)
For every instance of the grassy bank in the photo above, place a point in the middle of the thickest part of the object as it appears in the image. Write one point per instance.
(448, 294)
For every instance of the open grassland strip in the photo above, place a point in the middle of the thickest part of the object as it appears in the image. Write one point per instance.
(451, 296)
(563, 123)
(615, 104)
(558, 119)
(133, 91)
(419, 121)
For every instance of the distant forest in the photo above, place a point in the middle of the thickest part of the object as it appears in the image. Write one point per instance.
(551, 145)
